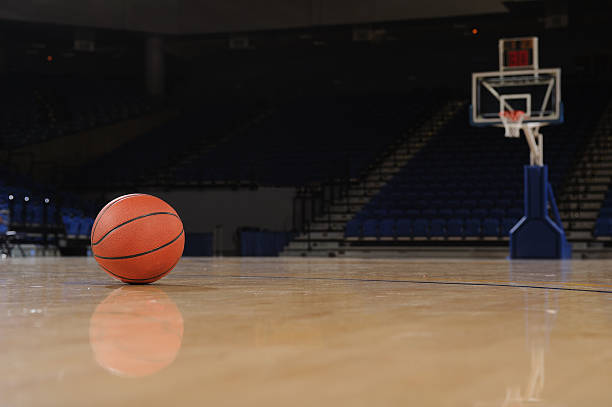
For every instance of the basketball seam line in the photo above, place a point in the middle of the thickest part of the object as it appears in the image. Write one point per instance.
(132, 220)
(117, 200)
(141, 279)
(143, 253)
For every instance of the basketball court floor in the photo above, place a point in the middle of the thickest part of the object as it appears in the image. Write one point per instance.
(307, 332)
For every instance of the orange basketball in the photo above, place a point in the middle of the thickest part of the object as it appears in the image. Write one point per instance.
(137, 238)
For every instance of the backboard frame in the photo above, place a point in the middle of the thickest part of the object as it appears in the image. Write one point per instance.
(550, 77)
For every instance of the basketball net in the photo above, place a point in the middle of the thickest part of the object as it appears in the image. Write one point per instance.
(513, 122)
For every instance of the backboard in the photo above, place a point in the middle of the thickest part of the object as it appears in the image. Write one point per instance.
(519, 85)
(535, 92)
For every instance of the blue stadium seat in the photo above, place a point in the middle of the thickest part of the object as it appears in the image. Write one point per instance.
(605, 212)
(396, 213)
(437, 228)
(422, 203)
(427, 196)
(469, 203)
(361, 215)
(462, 213)
(603, 227)
(437, 203)
(453, 203)
(353, 228)
(454, 227)
(472, 227)
(72, 226)
(370, 228)
(381, 213)
(445, 212)
(429, 212)
(85, 226)
(460, 195)
(412, 213)
(477, 195)
(404, 228)
(490, 227)
(480, 213)
(507, 224)
(387, 228)
(503, 203)
(444, 194)
(486, 203)
(515, 213)
(420, 228)
(497, 213)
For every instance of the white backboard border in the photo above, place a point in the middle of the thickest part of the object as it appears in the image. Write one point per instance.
(526, 78)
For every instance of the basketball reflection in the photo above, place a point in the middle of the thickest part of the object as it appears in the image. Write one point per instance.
(136, 331)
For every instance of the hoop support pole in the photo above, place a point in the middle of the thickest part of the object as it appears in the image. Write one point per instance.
(536, 145)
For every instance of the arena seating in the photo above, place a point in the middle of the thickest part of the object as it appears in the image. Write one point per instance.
(436, 195)
(147, 159)
(312, 139)
(37, 108)
(603, 225)
(32, 209)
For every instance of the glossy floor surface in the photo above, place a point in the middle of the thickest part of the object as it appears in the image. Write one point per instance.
(300, 332)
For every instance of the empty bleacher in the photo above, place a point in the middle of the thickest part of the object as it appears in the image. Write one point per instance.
(36, 214)
(467, 182)
(312, 139)
(150, 159)
(36, 108)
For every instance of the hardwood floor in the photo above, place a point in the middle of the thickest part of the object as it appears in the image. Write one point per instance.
(308, 332)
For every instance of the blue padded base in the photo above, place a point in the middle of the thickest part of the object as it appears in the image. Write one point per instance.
(536, 235)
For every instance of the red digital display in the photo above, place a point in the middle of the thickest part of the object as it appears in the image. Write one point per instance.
(518, 58)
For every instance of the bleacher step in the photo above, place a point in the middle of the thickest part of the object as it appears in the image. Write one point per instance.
(588, 196)
(353, 200)
(590, 180)
(325, 239)
(579, 235)
(306, 253)
(579, 224)
(575, 205)
(338, 208)
(584, 216)
(324, 226)
(305, 245)
(338, 217)
(586, 188)
(321, 235)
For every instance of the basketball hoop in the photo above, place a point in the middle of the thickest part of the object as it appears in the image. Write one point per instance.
(513, 122)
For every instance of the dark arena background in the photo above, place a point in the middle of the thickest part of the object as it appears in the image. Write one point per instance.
(356, 231)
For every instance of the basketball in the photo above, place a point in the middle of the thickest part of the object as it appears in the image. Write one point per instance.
(137, 238)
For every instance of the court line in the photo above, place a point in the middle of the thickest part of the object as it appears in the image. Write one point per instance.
(537, 283)
(377, 280)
